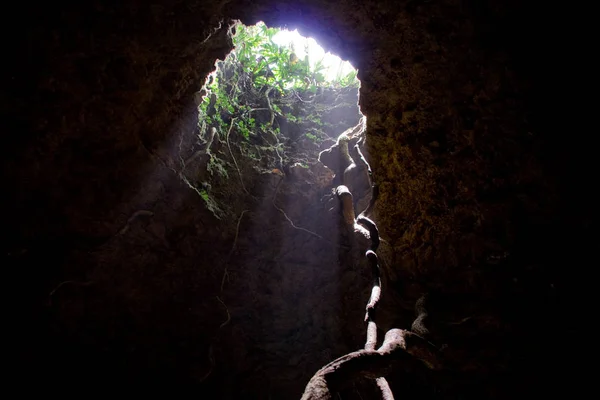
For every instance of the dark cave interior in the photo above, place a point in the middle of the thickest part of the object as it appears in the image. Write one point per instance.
(119, 274)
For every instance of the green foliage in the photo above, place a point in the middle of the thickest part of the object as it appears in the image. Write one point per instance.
(204, 195)
(211, 204)
(291, 118)
(246, 127)
(310, 118)
(314, 119)
(260, 67)
(271, 64)
(349, 79)
(277, 109)
(248, 94)
(312, 137)
(217, 166)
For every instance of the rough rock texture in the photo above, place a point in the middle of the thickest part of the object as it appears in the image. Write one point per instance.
(118, 265)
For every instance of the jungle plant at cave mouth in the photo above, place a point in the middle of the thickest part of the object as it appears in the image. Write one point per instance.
(264, 110)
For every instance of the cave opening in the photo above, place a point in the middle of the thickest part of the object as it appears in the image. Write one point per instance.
(269, 107)
(279, 132)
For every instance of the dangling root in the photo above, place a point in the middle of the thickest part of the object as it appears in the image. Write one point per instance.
(233, 157)
(237, 231)
(418, 326)
(286, 216)
(373, 231)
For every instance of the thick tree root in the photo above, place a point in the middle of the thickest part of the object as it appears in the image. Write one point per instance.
(371, 364)
(384, 388)
(376, 290)
(345, 197)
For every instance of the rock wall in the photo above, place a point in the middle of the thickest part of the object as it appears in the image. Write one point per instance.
(118, 265)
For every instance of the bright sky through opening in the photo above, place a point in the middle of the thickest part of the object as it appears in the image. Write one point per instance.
(302, 46)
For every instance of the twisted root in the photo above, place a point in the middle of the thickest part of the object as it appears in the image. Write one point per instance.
(371, 364)
(373, 300)
(373, 231)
